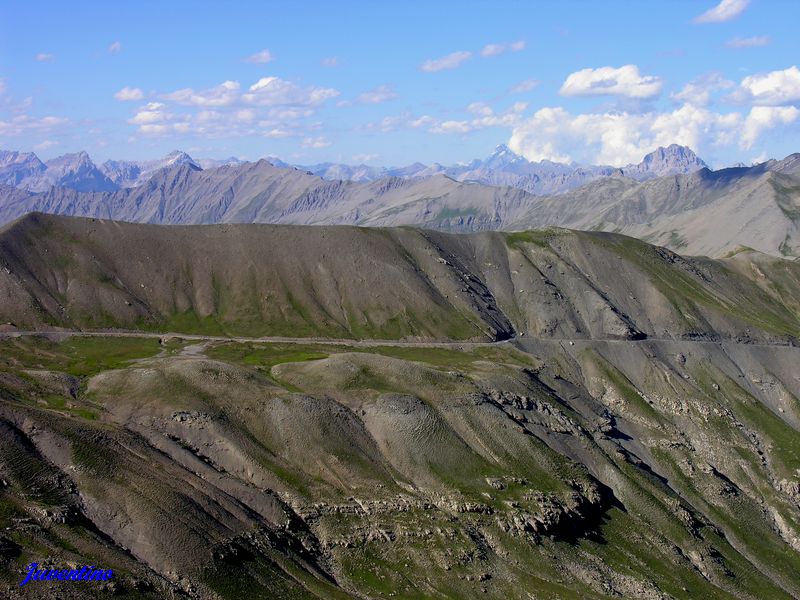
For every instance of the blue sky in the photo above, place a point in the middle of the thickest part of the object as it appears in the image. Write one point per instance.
(396, 82)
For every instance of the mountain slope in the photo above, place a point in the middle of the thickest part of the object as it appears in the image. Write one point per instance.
(706, 212)
(577, 459)
(280, 280)
(127, 174)
(259, 192)
(74, 171)
(16, 167)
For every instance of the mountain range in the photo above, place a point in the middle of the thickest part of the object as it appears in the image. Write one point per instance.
(502, 167)
(698, 212)
(505, 167)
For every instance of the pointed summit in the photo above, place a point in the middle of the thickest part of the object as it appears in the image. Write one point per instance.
(177, 157)
(502, 157)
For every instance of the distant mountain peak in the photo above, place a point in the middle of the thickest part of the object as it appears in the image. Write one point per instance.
(178, 156)
(503, 156)
(666, 160)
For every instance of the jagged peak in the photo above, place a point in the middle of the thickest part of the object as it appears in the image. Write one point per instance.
(178, 156)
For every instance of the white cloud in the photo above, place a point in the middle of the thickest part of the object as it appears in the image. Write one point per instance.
(271, 107)
(114, 48)
(45, 144)
(497, 49)
(751, 42)
(289, 113)
(423, 121)
(387, 124)
(480, 108)
(224, 94)
(724, 11)
(44, 57)
(129, 93)
(21, 124)
(245, 115)
(277, 133)
(380, 94)
(493, 49)
(363, 158)
(152, 112)
(484, 116)
(609, 81)
(330, 62)
(452, 127)
(621, 138)
(524, 86)
(317, 142)
(153, 129)
(259, 58)
(267, 91)
(763, 118)
(699, 91)
(775, 87)
(451, 61)
(274, 91)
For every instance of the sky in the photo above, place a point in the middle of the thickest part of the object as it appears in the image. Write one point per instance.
(391, 83)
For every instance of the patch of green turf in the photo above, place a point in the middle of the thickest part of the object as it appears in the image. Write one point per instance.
(77, 355)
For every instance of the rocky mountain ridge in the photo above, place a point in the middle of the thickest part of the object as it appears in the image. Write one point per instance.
(704, 212)
(502, 167)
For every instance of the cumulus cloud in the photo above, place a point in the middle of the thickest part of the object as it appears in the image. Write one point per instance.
(152, 112)
(44, 57)
(763, 118)
(21, 124)
(497, 49)
(267, 91)
(699, 91)
(114, 47)
(524, 86)
(451, 61)
(750, 42)
(380, 94)
(259, 58)
(724, 11)
(316, 142)
(329, 62)
(624, 81)
(483, 117)
(273, 91)
(270, 107)
(224, 94)
(129, 93)
(773, 88)
(621, 138)
(363, 158)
